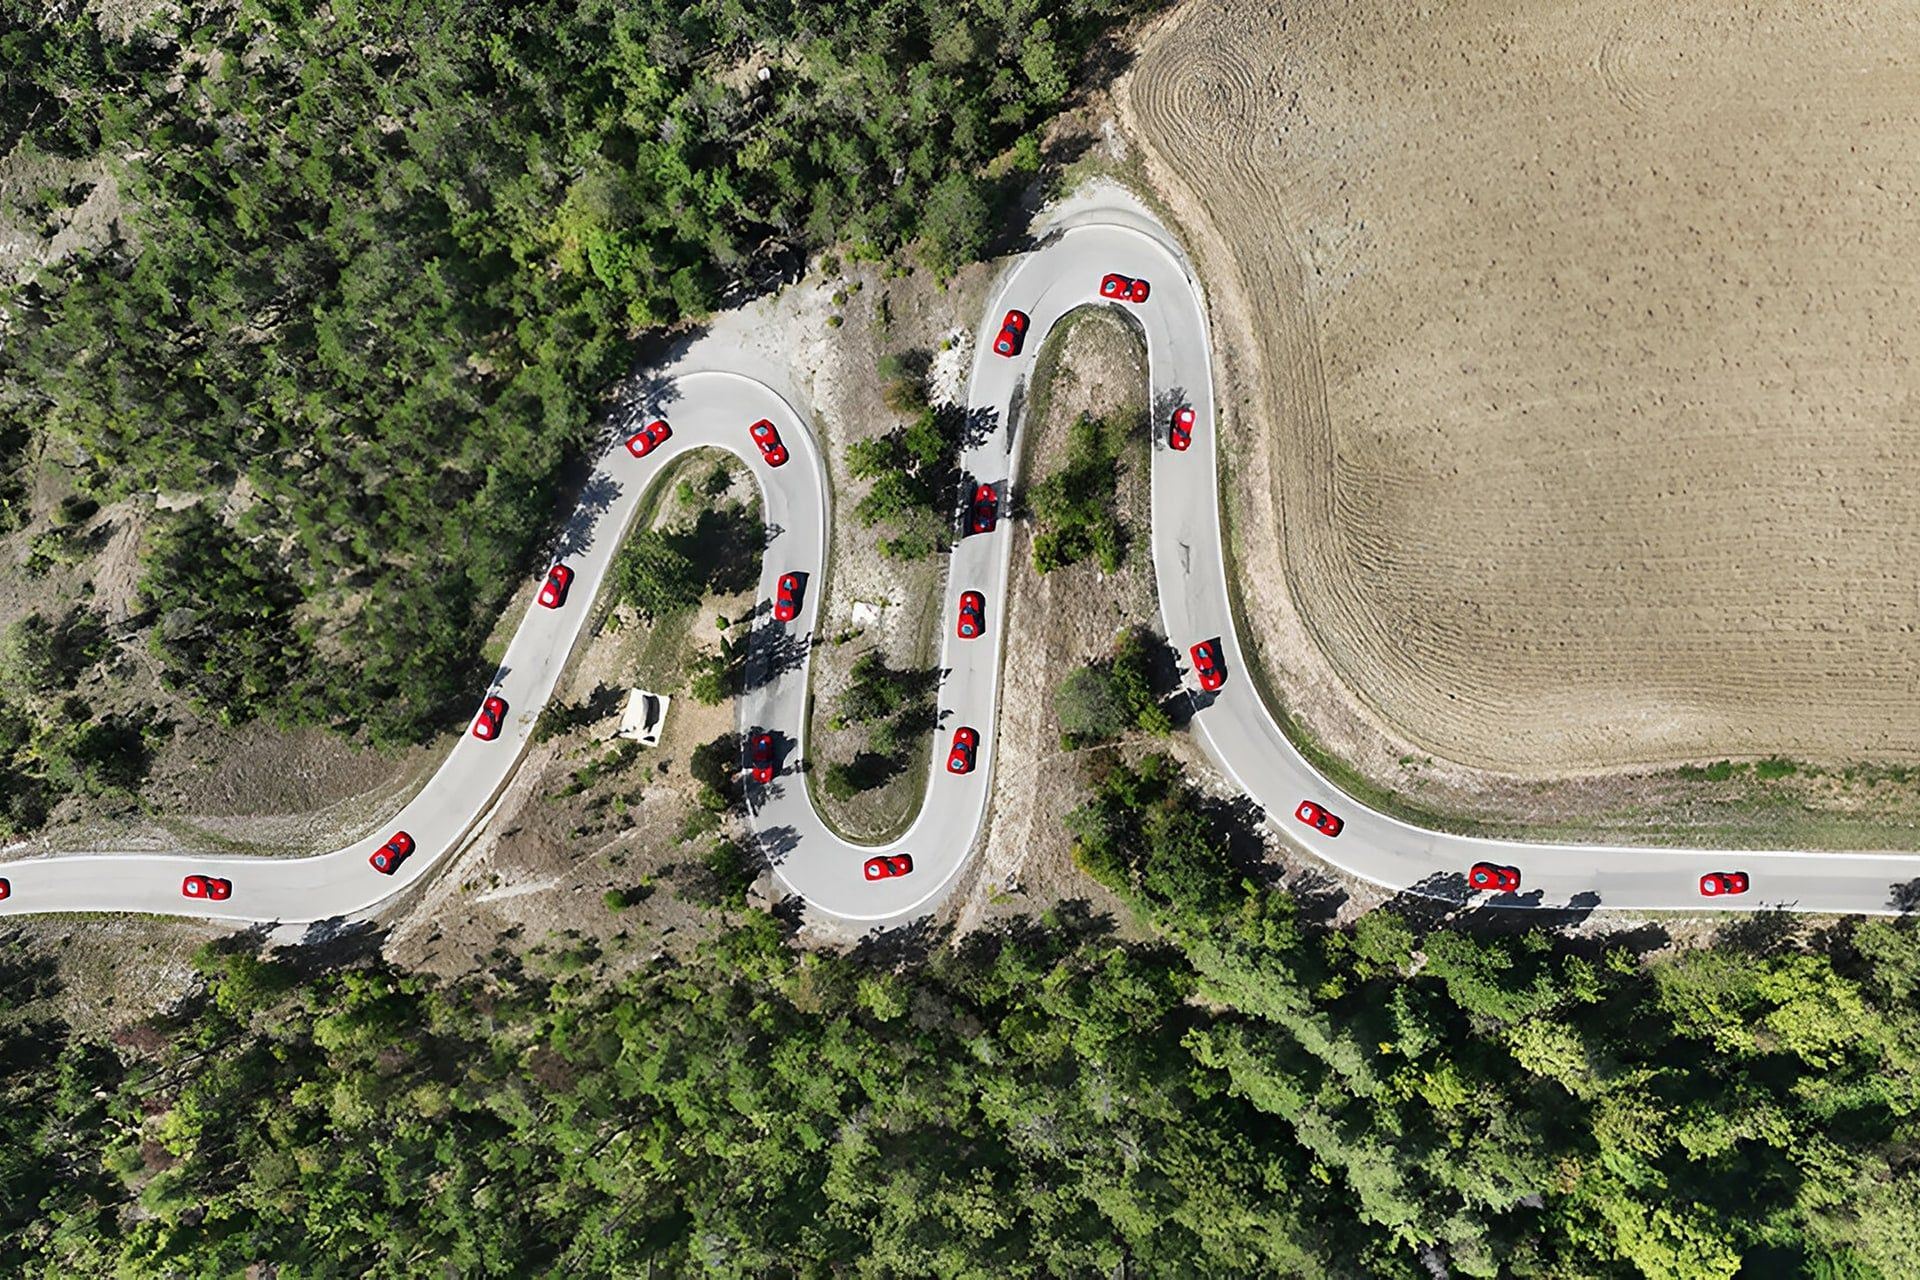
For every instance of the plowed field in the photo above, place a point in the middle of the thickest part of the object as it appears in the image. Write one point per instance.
(1571, 364)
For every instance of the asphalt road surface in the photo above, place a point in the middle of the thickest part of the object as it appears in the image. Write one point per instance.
(714, 408)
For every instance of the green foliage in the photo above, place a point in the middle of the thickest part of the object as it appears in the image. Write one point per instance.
(1098, 702)
(897, 708)
(874, 689)
(1252, 1091)
(655, 576)
(663, 571)
(715, 765)
(1074, 507)
(1089, 709)
(730, 873)
(380, 260)
(223, 604)
(720, 675)
(558, 718)
(39, 658)
(912, 470)
(52, 742)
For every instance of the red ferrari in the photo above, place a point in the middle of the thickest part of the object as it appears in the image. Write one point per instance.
(889, 866)
(655, 433)
(960, 757)
(1013, 334)
(761, 757)
(388, 857)
(553, 592)
(1180, 430)
(786, 601)
(210, 888)
(973, 615)
(486, 725)
(1485, 875)
(768, 439)
(1206, 665)
(986, 509)
(1319, 819)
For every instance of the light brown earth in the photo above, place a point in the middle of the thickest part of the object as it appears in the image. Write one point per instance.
(872, 602)
(1094, 363)
(1568, 354)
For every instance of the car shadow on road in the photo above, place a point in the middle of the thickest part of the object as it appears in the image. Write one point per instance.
(1446, 899)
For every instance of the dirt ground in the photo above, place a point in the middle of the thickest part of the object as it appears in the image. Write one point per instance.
(1568, 358)
(1024, 865)
(871, 602)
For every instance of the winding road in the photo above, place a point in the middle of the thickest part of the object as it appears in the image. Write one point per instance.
(711, 408)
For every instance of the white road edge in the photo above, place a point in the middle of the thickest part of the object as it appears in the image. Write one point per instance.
(1086, 239)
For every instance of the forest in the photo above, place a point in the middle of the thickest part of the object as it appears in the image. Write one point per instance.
(1248, 1088)
(377, 265)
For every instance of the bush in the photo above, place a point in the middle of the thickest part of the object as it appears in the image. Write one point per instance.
(655, 576)
(558, 718)
(912, 474)
(225, 636)
(715, 766)
(875, 690)
(1089, 709)
(730, 872)
(868, 770)
(1102, 700)
(1073, 508)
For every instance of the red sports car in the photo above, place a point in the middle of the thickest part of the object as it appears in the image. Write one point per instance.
(1180, 430)
(6, 889)
(1013, 334)
(211, 888)
(388, 857)
(761, 747)
(1319, 819)
(1206, 665)
(553, 592)
(1719, 883)
(986, 509)
(889, 866)
(786, 601)
(960, 758)
(486, 726)
(769, 441)
(653, 434)
(1123, 288)
(1484, 875)
(973, 615)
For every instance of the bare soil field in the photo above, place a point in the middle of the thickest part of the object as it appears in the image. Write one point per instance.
(1569, 360)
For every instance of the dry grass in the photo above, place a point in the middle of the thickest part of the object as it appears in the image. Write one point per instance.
(872, 603)
(1094, 364)
(1566, 353)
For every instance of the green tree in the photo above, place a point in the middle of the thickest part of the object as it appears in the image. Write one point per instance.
(655, 576)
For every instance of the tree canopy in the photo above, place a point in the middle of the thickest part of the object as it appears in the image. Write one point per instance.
(378, 262)
(1255, 1089)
